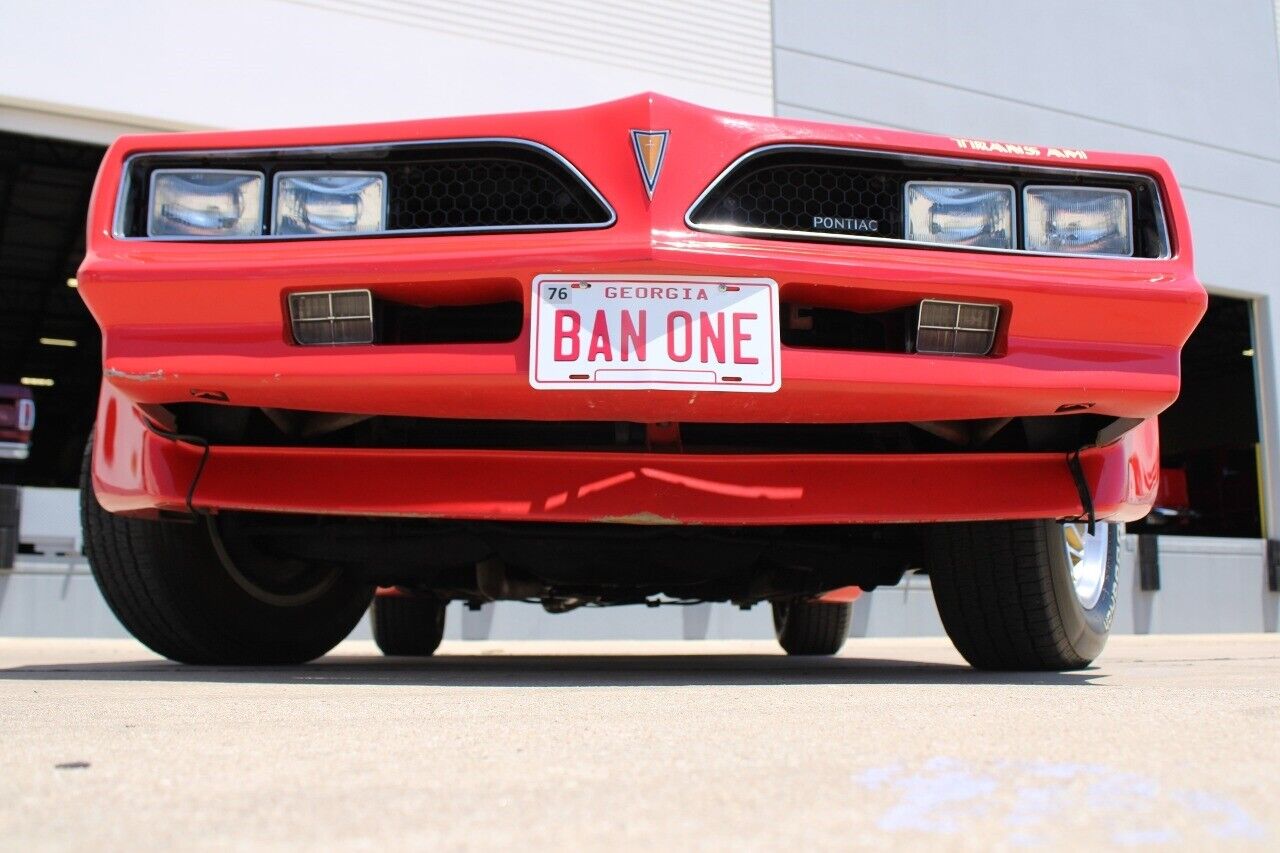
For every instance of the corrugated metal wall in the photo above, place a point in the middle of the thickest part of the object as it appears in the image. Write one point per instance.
(720, 42)
(273, 63)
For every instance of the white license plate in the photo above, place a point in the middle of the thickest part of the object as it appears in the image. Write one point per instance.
(655, 332)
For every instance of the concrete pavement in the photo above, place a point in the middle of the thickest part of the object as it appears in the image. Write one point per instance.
(1169, 742)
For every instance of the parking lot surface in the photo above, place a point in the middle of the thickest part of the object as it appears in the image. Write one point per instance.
(1169, 742)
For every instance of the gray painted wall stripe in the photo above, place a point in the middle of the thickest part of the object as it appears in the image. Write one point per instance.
(1031, 104)
(802, 111)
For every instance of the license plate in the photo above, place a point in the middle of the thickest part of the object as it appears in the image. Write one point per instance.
(632, 333)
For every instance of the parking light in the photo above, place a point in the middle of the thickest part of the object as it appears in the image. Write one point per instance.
(956, 328)
(332, 317)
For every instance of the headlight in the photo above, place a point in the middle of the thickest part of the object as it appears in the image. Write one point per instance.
(1079, 220)
(329, 203)
(960, 214)
(205, 203)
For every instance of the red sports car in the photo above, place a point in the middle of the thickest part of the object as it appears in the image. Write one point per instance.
(637, 353)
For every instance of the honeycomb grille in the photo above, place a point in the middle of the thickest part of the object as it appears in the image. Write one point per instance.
(817, 197)
(485, 193)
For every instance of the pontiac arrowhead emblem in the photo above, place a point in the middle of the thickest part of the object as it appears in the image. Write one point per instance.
(650, 147)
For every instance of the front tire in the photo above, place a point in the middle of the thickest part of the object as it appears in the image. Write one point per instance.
(408, 626)
(811, 627)
(174, 587)
(1025, 595)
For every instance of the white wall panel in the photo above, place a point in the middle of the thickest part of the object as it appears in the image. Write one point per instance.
(725, 44)
(268, 63)
(1177, 68)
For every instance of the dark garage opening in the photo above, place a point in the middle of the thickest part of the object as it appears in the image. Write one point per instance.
(1211, 483)
(44, 195)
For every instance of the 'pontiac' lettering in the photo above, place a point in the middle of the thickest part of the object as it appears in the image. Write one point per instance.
(837, 223)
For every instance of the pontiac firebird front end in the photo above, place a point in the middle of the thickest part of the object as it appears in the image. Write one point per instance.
(640, 313)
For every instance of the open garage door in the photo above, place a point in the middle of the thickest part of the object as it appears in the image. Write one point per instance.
(1211, 481)
(48, 341)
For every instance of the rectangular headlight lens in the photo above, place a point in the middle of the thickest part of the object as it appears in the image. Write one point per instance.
(960, 214)
(1079, 220)
(205, 203)
(330, 203)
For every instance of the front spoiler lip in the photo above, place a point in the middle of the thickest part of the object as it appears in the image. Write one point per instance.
(629, 488)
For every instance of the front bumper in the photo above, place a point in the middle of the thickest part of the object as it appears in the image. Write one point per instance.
(1073, 337)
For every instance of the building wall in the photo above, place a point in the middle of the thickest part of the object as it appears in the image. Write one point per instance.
(270, 63)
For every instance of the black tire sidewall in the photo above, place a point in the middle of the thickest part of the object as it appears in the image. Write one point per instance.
(410, 626)
(811, 628)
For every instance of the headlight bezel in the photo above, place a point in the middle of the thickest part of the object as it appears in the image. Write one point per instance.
(1020, 219)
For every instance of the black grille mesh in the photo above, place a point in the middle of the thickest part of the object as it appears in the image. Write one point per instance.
(483, 192)
(790, 197)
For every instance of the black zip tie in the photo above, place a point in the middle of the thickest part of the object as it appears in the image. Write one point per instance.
(204, 457)
(1082, 487)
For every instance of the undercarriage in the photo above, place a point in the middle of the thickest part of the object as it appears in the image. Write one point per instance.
(563, 566)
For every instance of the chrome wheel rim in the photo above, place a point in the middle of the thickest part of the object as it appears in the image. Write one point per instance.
(1087, 559)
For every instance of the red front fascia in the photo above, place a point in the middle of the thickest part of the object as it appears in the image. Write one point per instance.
(184, 317)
